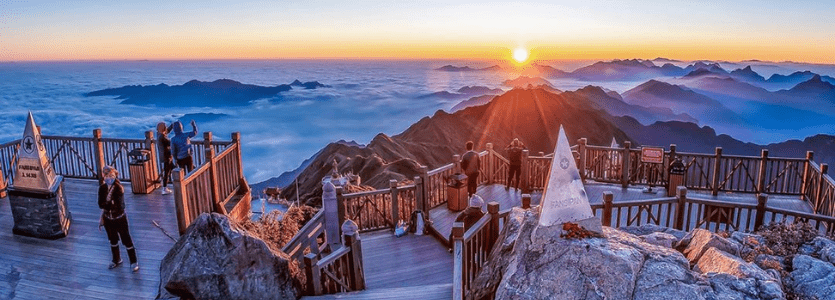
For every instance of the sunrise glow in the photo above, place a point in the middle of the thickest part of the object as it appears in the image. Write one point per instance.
(520, 55)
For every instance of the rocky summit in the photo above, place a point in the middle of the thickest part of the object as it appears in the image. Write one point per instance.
(530, 262)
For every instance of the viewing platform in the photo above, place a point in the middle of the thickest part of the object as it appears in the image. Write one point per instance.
(718, 192)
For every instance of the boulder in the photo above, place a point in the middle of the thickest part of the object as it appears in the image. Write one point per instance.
(727, 286)
(660, 239)
(214, 260)
(824, 248)
(813, 278)
(700, 240)
(746, 238)
(651, 228)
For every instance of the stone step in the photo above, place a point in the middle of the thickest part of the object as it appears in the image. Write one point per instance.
(436, 291)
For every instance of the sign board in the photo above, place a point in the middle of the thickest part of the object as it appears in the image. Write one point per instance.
(564, 198)
(652, 155)
(34, 171)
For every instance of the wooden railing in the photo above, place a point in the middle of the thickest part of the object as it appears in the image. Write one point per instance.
(8, 160)
(435, 184)
(217, 185)
(471, 249)
(687, 213)
(339, 272)
(311, 238)
(379, 209)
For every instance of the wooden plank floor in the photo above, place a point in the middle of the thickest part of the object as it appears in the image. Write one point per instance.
(410, 260)
(75, 267)
(442, 218)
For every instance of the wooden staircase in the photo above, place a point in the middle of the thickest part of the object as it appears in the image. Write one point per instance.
(429, 292)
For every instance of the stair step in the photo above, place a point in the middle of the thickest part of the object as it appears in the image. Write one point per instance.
(435, 291)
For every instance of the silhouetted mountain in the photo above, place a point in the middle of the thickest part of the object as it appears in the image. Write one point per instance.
(443, 95)
(307, 85)
(479, 90)
(613, 104)
(747, 74)
(222, 92)
(699, 72)
(796, 77)
(201, 117)
(451, 68)
(624, 70)
(683, 100)
(665, 60)
(537, 70)
(814, 94)
(689, 137)
(812, 87)
(525, 81)
(712, 67)
(532, 115)
(474, 101)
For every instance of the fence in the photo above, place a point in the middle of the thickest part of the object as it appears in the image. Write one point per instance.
(216, 185)
(471, 249)
(381, 208)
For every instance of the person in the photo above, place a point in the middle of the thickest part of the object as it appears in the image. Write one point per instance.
(471, 214)
(114, 219)
(514, 170)
(181, 145)
(165, 149)
(470, 163)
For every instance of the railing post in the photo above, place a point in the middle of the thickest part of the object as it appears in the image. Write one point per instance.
(819, 194)
(625, 167)
(98, 148)
(151, 145)
(311, 271)
(427, 188)
(183, 217)
(526, 201)
(352, 240)
(3, 185)
(458, 261)
(419, 199)
(456, 161)
(608, 197)
(761, 175)
(395, 204)
(761, 201)
(682, 201)
(236, 138)
(493, 210)
(805, 183)
(716, 165)
(525, 172)
(213, 185)
(581, 166)
(491, 164)
(340, 205)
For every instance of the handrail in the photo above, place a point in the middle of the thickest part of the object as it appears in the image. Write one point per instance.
(472, 248)
(338, 272)
(304, 238)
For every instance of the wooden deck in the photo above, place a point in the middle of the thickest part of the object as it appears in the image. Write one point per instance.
(75, 267)
(402, 268)
(442, 218)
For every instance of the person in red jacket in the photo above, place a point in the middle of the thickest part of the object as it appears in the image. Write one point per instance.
(113, 217)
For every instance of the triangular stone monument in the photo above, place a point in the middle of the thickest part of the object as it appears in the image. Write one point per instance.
(614, 143)
(37, 195)
(34, 172)
(564, 198)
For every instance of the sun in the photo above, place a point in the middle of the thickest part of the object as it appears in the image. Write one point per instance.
(520, 55)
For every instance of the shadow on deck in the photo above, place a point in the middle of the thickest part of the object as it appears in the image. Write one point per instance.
(75, 267)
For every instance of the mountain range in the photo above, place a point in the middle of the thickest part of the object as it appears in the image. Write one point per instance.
(221, 92)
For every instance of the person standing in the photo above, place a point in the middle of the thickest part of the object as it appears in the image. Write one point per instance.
(470, 163)
(167, 160)
(114, 219)
(181, 145)
(514, 170)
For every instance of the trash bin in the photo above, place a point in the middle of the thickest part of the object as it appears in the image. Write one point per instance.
(143, 179)
(457, 192)
(676, 171)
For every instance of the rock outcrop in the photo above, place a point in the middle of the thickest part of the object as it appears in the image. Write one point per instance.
(530, 262)
(700, 241)
(215, 260)
(813, 278)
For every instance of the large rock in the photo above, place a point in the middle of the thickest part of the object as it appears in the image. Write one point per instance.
(823, 248)
(534, 263)
(700, 240)
(647, 229)
(659, 238)
(751, 281)
(213, 260)
(813, 278)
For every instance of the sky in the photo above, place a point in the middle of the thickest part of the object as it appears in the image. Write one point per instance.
(686, 30)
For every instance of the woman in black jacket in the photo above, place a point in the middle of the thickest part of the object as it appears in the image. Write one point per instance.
(113, 218)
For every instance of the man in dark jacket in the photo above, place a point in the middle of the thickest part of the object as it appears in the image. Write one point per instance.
(181, 146)
(470, 163)
(165, 150)
(514, 155)
(113, 217)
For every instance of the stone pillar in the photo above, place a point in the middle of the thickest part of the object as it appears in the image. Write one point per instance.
(330, 205)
